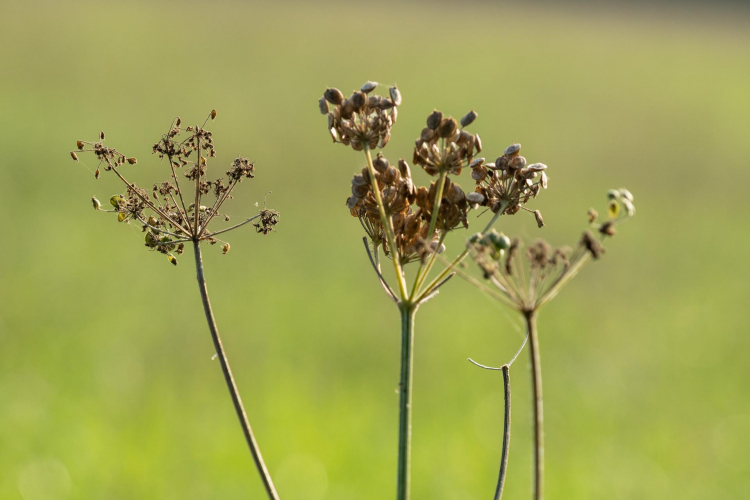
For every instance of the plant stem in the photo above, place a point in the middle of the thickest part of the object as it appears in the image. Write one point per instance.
(506, 435)
(433, 223)
(233, 391)
(428, 289)
(408, 312)
(536, 377)
(387, 225)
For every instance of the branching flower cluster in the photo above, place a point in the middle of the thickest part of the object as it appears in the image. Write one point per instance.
(410, 222)
(528, 280)
(166, 214)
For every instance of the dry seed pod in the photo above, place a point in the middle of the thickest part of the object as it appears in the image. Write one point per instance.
(469, 118)
(79, 144)
(213, 114)
(447, 127)
(385, 103)
(225, 248)
(323, 105)
(404, 168)
(101, 136)
(427, 134)
(479, 173)
(538, 216)
(518, 162)
(358, 100)
(476, 198)
(433, 121)
(132, 161)
(395, 95)
(380, 164)
(97, 204)
(369, 87)
(74, 156)
(512, 150)
(334, 96)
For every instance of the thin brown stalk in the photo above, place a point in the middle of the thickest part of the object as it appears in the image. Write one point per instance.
(231, 385)
(538, 411)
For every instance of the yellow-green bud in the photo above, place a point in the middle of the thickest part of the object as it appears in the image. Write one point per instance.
(172, 259)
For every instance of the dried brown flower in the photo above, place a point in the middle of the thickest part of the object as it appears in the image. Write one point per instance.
(508, 184)
(166, 215)
(363, 119)
(444, 146)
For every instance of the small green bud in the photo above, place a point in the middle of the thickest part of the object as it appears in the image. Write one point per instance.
(498, 240)
(474, 238)
(614, 208)
(115, 200)
(172, 259)
(121, 217)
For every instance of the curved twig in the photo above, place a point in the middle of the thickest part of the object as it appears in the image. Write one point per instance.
(383, 283)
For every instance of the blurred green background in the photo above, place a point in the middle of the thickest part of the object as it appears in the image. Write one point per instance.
(107, 386)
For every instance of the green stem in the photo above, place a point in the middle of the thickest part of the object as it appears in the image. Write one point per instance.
(428, 289)
(536, 377)
(506, 434)
(386, 225)
(433, 223)
(408, 312)
(233, 391)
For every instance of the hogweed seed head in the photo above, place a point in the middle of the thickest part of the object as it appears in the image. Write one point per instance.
(530, 280)
(363, 119)
(163, 213)
(508, 184)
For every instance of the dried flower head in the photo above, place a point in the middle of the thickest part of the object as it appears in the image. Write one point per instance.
(362, 119)
(167, 216)
(445, 146)
(508, 184)
(528, 280)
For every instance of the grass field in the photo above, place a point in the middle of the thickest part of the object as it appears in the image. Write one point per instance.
(107, 386)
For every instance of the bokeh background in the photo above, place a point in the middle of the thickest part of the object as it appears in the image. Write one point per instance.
(107, 386)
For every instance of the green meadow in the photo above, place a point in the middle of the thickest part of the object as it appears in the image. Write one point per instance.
(108, 389)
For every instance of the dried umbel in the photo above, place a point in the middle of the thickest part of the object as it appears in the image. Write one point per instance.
(445, 146)
(509, 183)
(527, 280)
(168, 214)
(362, 119)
